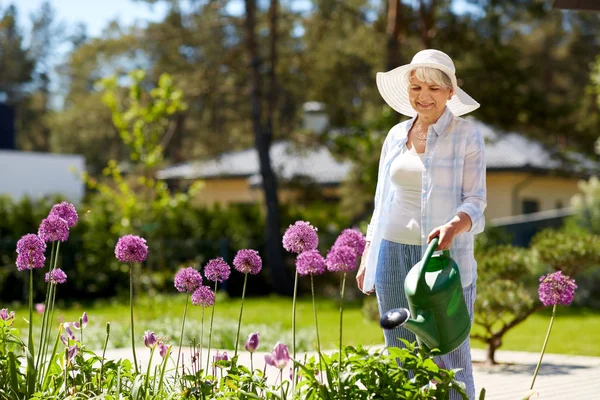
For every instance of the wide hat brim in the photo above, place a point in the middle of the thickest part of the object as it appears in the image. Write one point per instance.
(393, 87)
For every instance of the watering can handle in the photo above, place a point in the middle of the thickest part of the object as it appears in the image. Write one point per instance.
(428, 253)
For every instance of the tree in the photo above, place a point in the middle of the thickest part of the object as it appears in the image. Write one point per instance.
(262, 124)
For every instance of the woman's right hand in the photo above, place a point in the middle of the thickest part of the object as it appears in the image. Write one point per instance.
(360, 275)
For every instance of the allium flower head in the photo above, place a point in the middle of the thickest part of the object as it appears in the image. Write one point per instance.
(279, 357)
(150, 339)
(7, 316)
(341, 258)
(53, 229)
(217, 270)
(203, 296)
(310, 262)
(556, 288)
(187, 280)
(131, 248)
(56, 276)
(247, 261)
(30, 250)
(352, 238)
(301, 236)
(65, 211)
(252, 342)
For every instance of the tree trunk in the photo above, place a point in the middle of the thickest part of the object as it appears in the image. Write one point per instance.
(427, 22)
(493, 345)
(394, 34)
(263, 137)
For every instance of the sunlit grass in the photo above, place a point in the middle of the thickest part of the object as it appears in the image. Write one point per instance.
(573, 332)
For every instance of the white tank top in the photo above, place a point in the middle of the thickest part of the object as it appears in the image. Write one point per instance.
(404, 224)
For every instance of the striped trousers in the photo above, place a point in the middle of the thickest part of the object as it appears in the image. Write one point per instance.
(395, 260)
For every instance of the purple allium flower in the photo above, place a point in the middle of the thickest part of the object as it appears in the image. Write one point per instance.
(203, 296)
(301, 236)
(30, 250)
(131, 248)
(53, 228)
(279, 357)
(556, 289)
(310, 262)
(252, 342)
(65, 211)
(247, 261)
(162, 349)
(352, 238)
(150, 339)
(187, 280)
(40, 308)
(56, 276)
(7, 316)
(341, 258)
(217, 270)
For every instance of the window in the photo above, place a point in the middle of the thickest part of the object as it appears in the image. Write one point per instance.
(529, 206)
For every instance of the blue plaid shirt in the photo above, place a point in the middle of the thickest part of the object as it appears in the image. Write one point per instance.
(453, 182)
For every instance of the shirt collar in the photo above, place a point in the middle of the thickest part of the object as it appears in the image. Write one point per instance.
(442, 123)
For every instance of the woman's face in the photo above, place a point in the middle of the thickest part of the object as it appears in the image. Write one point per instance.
(428, 99)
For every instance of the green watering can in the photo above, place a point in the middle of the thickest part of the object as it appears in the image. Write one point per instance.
(438, 313)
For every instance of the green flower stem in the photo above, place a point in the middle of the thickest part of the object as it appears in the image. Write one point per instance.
(46, 310)
(148, 371)
(187, 298)
(212, 317)
(237, 337)
(49, 309)
(544, 346)
(46, 380)
(104, 355)
(294, 330)
(30, 366)
(312, 289)
(343, 285)
(162, 372)
(201, 339)
(131, 316)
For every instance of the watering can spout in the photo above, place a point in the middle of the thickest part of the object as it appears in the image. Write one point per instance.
(423, 325)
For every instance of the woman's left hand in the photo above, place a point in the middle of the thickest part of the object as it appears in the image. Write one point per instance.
(445, 233)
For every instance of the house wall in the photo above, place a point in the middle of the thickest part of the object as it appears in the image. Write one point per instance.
(508, 190)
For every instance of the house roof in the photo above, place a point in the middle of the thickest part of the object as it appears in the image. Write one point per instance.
(504, 151)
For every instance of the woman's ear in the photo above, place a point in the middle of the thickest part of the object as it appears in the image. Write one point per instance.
(450, 94)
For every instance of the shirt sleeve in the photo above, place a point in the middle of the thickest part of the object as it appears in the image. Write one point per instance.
(473, 195)
(379, 189)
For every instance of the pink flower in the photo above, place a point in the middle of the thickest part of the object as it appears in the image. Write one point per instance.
(556, 289)
(30, 250)
(65, 211)
(279, 357)
(217, 270)
(352, 238)
(310, 262)
(84, 322)
(187, 280)
(131, 248)
(301, 236)
(7, 316)
(252, 342)
(56, 276)
(203, 296)
(247, 261)
(162, 349)
(40, 308)
(341, 258)
(53, 229)
(150, 339)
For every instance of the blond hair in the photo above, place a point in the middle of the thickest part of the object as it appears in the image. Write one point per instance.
(433, 76)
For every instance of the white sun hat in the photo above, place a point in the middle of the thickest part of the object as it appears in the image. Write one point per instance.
(393, 85)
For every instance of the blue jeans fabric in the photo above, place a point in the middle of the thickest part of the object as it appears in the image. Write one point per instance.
(395, 260)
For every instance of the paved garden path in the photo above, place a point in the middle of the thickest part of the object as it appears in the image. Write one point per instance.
(561, 377)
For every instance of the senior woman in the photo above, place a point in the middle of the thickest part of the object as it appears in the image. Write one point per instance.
(431, 184)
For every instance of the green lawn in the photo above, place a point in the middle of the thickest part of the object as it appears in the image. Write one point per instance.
(573, 330)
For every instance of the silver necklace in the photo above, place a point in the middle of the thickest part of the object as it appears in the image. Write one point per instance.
(418, 131)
